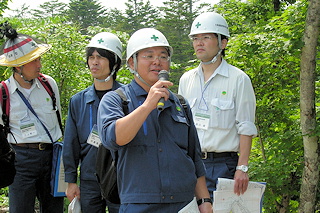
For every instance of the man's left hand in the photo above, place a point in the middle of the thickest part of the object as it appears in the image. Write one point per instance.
(241, 182)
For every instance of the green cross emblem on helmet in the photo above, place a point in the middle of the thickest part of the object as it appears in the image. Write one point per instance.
(155, 38)
(198, 25)
(100, 40)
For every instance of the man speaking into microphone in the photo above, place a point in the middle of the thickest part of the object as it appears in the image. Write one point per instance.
(159, 165)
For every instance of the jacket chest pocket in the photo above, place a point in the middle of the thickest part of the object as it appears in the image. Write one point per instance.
(180, 130)
(223, 114)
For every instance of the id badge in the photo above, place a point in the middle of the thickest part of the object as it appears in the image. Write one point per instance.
(94, 138)
(201, 121)
(28, 130)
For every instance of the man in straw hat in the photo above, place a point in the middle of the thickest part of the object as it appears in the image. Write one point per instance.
(31, 141)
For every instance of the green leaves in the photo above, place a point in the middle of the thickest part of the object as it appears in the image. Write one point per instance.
(268, 49)
(86, 13)
(265, 42)
(3, 6)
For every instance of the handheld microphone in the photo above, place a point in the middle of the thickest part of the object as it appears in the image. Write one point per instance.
(163, 76)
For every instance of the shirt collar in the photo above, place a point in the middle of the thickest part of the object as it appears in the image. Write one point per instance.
(91, 93)
(14, 85)
(137, 89)
(221, 70)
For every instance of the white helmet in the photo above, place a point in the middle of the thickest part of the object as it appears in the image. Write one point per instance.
(209, 22)
(145, 38)
(107, 41)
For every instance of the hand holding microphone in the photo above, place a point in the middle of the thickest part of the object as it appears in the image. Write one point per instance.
(163, 76)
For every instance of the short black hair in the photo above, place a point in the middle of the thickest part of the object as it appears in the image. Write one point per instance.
(222, 37)
(107, 54)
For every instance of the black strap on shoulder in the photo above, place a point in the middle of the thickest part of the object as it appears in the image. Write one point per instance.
(124, 101)
(182, 101)
(125, 111)
(184, 104)
(191, 146)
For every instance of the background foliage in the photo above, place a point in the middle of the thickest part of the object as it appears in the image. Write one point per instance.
(266, 41)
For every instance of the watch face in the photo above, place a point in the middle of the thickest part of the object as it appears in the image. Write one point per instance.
(242, 168)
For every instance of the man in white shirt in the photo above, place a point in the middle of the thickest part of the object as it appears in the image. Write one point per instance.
(32, 143)
(222, 102)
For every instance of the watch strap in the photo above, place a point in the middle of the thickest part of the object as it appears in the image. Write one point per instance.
(203, 200)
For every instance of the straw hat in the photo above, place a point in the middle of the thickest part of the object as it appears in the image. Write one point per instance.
(21, 50)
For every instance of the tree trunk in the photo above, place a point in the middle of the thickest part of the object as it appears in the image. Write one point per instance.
(276, 5)
(283, 206)
(310, 177)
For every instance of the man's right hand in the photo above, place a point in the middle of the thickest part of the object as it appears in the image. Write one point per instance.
(72, 191)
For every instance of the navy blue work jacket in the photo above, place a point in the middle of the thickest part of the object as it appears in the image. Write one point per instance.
(82, 115)
(155, 166)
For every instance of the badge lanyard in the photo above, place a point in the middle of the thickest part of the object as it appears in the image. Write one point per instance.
(202, 120)
(32, 110)
(93, 138)
(202, 97)
(91, 116)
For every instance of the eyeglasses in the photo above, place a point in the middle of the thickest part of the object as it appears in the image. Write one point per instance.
(162, 58)
(203, 38)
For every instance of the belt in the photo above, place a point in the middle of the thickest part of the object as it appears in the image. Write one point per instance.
(206, 155)
(40, 146)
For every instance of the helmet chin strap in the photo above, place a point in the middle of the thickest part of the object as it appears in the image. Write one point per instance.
(111, 74)
(135, 72)
(108, 78)
(217, 55)
(213, 60)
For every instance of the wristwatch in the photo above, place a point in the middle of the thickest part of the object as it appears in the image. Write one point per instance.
(243, 168)
(203, 200)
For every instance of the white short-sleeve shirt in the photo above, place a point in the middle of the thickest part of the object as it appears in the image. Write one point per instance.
(223, 108)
